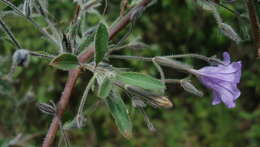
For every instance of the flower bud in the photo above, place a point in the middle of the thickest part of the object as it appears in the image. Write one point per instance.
(150, 97)
(47, 108)
(21, 57)
(189, 87)
(228, 31)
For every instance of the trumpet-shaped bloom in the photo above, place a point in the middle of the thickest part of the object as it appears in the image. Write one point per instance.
(222, 80)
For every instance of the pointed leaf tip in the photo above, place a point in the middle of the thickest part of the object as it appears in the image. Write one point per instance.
(65, 62)
(140, 80)
(118, 110)
(101, 42)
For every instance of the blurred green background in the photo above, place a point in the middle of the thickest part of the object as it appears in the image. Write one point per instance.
(168, 27)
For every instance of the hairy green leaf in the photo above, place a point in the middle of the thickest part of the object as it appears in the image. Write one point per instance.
(65, 62)
(101, 42)
(105, 88)
(140, 80)
(119, 111)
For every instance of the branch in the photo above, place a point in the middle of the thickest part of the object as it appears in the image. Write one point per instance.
(254, 24)
(74, 74)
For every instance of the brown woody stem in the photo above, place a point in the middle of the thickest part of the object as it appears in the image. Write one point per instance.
(254, 24)
(74, 75)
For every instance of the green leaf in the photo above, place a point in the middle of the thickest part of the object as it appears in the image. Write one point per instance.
(105, 88)
(101, 43)
(119, 112)
(65, 62)
(140, 80)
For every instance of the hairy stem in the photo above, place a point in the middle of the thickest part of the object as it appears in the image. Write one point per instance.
(83, 100)
(149, 59)
(9, 33)
(74, 74)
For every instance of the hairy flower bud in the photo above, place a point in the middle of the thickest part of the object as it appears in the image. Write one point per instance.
(189, 87)
(21, 57)
(228, 31)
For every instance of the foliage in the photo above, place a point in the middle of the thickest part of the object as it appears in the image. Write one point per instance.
(169, 27)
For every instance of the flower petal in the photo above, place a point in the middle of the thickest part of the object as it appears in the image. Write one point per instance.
(222, 90)
(226, 97)
(226, 57)
(231, 72)
(216, 99)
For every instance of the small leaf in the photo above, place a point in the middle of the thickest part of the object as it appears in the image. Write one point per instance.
(101, 43)
(105, 88)
(119, 112)
(140, 80)
(65, 62)
(69, 125)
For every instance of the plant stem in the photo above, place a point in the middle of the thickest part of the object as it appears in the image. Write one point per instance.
(254, 24)
(172, 81)
(74, 74)
(10, 34)
(149, 59)
(41, 55)
(85, 94)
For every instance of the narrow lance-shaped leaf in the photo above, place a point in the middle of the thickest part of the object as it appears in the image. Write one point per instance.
(65, 62)
(105, 88)
(140, 80)
(101, 43)
(119, 112)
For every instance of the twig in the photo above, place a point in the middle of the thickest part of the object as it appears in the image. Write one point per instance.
(172, 80)
(83, 101)
(254, 24)
(74, 74)
(10, 34)
(41, 55)
(149, 59)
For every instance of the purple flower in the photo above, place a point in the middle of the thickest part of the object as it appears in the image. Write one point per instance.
(222, 80)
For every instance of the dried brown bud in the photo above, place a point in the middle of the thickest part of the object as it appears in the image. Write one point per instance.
(150, 97)
(162, 101)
